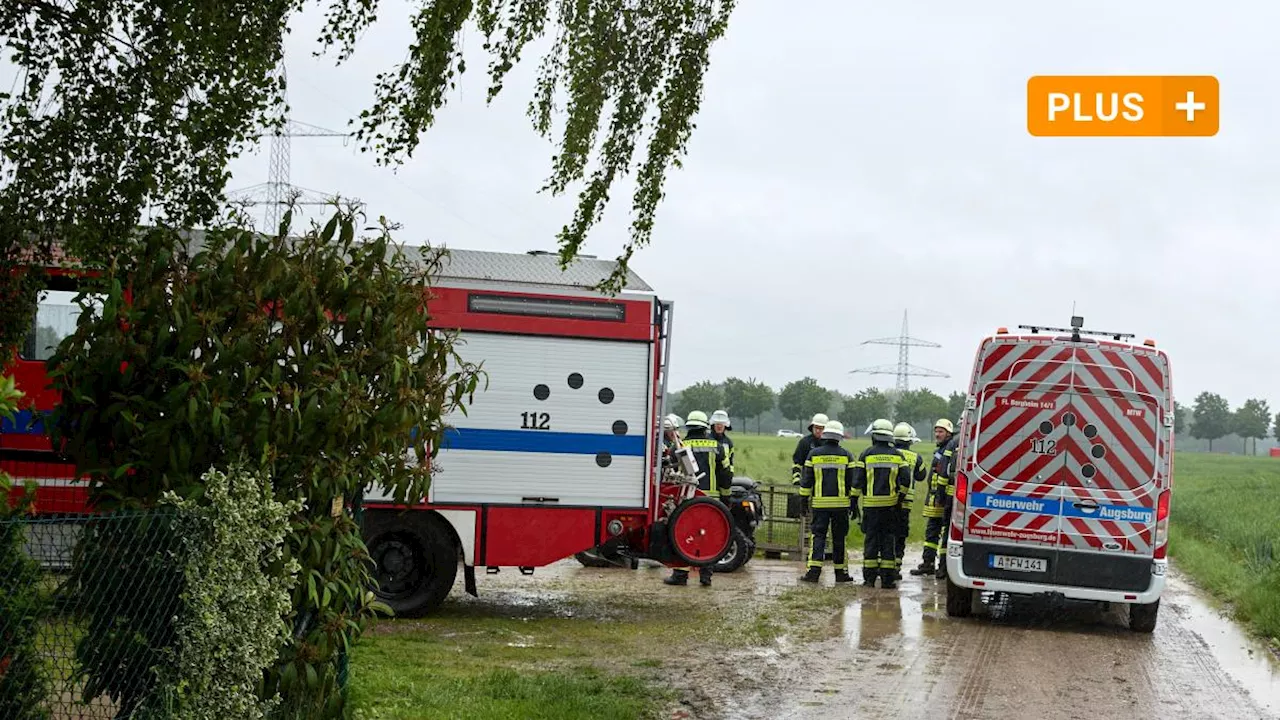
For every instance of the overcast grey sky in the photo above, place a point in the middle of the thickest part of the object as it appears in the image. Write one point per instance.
(855, 159)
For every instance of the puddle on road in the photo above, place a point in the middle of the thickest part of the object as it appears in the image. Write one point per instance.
(1245, 659)
(867, 622)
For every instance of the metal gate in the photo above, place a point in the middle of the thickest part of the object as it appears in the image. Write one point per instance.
(784, 529)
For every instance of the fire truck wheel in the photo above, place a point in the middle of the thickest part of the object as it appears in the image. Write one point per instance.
(740, 551)
(700, 531)
(1142, 618)
(415, 560)
(596, 558)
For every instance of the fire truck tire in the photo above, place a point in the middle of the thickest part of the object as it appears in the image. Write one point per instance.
(596, 558)
(415, 556)
(959, 600)
(740, 551)
(1142, 618)
(700, 531)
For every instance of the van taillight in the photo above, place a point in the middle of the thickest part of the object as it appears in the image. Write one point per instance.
(962, 488)
(1162, 526)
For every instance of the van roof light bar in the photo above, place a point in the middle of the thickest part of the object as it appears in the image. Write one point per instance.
(1076, 330)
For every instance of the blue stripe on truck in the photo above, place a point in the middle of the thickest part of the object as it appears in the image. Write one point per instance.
(22, 419)
(538, 441)
(542, 441)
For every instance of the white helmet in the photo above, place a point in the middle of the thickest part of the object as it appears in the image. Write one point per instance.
(833, 430)
(719, 417)
(882, 429)
(945, 424)
(671, 422)
(697, 418)
(819, 420)
(903, 432)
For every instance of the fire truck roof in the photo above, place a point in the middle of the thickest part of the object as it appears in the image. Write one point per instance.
(536, 268)
(539, 268)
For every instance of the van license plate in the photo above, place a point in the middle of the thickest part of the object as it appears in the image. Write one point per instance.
(1017, 564)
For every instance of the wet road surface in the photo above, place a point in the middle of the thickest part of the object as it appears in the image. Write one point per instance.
(899, 656)
(896, 653)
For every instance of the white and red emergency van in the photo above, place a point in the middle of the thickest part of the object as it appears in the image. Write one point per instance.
(1064, 471)
(559, 452)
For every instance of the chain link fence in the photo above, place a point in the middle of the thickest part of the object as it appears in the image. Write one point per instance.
(87, 607)
(90, 613)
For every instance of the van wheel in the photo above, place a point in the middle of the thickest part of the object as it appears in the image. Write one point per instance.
(415, 559)
(1142, 618)
(959, 600)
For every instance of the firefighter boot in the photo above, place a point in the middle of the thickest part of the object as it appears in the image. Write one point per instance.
(924, 568)
(843, 576)
(678, 577)
(942, 570)
(812, 575)
(704, 577)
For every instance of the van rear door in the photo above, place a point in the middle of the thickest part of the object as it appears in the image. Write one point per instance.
(1112, 479)
(1016, 472)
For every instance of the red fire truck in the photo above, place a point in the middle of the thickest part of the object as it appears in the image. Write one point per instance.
(560, 451)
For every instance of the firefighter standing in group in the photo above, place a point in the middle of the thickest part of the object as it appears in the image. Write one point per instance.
(716, 479)
(720, 427)
(937, 506)
(903, 436)
(826, 486)
(670, 438)
(881, 477)
(805, 445)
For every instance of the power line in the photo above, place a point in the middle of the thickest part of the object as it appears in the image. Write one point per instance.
(904, 369)
(278, 192)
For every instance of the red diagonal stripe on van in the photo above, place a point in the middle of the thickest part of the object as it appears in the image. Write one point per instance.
(1104, 476)
(1145, 430)
(1118, 359)
(1120, 438)
(1083, 532)
(991, 416)
(996, 356)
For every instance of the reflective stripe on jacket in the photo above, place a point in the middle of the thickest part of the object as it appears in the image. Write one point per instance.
(827, 476)
(712, 463)
(918, 471)
(881, 475)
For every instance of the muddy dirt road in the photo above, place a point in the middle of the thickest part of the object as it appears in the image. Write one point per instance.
(896, 654)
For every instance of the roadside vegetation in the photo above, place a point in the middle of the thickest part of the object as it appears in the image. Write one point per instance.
(1225, 533)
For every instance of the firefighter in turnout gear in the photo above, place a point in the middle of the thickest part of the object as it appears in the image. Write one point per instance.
(949, 485)
(805, 445)
(903, 436)
(881, 477)
(720, 427)
(937, 504)
(826, 485)
(716, 478)
(670, 438)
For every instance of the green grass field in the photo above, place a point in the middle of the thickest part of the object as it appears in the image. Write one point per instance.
(1225, 516)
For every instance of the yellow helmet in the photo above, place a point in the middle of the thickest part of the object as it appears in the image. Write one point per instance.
(697, 418)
